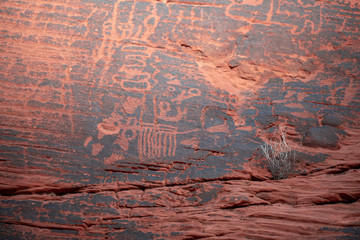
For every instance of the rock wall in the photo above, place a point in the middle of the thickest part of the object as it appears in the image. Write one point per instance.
(144, 119)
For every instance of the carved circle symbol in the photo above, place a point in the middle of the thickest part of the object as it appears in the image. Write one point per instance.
(194, 92)
(171, 88)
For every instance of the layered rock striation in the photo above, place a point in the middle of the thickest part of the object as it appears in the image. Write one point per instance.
(144, 119)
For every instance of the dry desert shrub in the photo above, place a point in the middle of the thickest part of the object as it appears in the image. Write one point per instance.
(279, 155)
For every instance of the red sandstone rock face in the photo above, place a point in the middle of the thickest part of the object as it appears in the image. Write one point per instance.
(144, 119)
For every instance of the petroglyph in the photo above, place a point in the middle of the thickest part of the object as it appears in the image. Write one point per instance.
(150, 140)
(142, 119)
(159, 142)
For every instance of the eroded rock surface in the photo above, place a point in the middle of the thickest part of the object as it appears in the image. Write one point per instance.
(323, 136)
(144, 119)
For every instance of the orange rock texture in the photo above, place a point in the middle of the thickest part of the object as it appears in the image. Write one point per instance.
(143, 119)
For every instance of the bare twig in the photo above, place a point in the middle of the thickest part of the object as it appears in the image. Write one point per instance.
(279, 155)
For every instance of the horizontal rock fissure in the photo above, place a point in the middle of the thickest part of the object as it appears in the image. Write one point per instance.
(120, 171)
(350, 200)
(207, 150)
(336, 170)
(331, 104)
(243, 205)
(192, 3)
(46, 225)
(30, 191)
(191, 182)
(10, 191)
